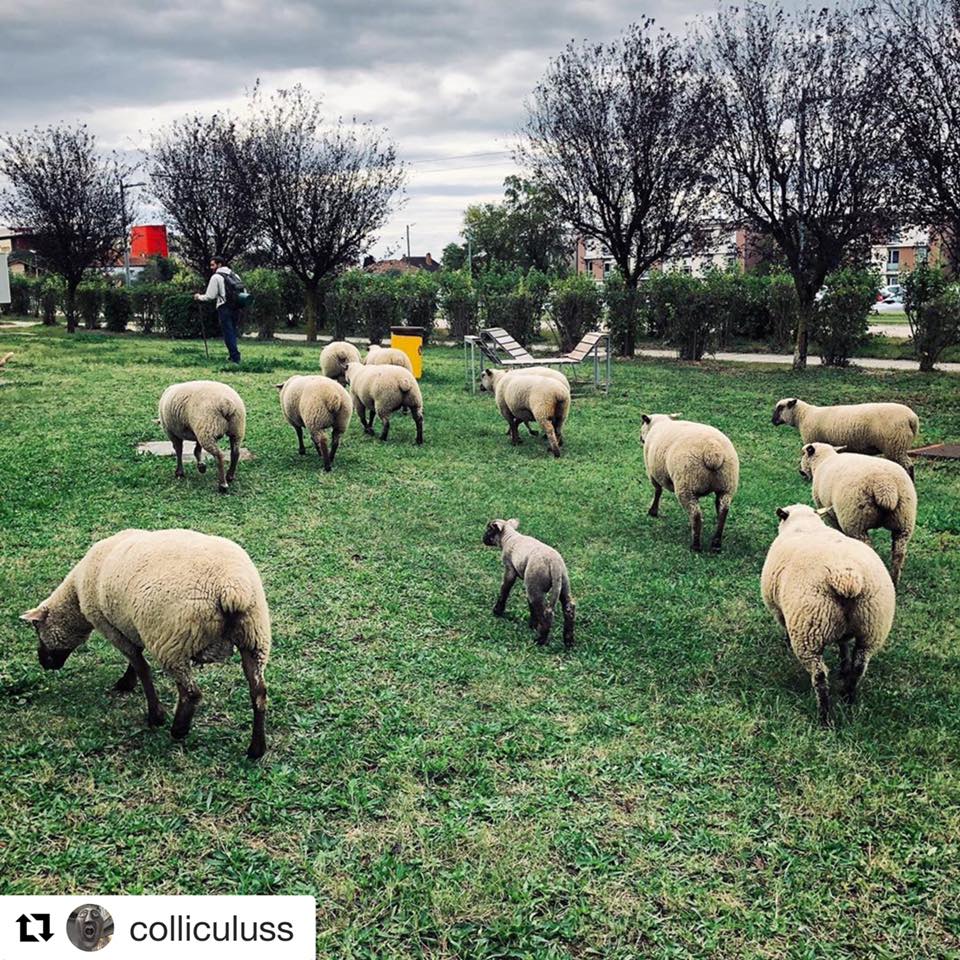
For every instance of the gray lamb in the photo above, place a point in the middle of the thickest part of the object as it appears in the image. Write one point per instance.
(544, 575)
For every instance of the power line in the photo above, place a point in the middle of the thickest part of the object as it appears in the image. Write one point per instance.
(461, 156)
(474, 166)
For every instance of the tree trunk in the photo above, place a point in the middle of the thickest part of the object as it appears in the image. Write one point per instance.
(311, 299)
(803, 327)
(70, 306)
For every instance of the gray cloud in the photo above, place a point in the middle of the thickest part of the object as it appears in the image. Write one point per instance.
(445, 78)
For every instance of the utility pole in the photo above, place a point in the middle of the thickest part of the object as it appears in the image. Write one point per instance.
(409, 225)
(126, 240)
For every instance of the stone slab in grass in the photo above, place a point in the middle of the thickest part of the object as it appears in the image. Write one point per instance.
(164, 448)
(938, 451)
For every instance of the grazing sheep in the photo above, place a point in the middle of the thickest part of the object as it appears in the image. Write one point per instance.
(544, 575)
(886, 428)
(383, 389)
(334, 358)
(203, 411)
(691, 459)
(863, 493)
(316, 403)
(536, 371)
(388, 355)
(182, 596)
(825, 587)
(522, 397)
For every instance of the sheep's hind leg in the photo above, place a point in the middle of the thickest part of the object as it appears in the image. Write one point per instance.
(654, 510)
(303, 449)
(178, 450)
(817, 669)
(253, 669)
(198, 456)
(723, 507)
(514, 435)
(569, 614)
(692, 505)
(385, 420)
(190, 697)
(234, 458)
(320, 442)
(418, 420)
(898, 554)
(858, 666)
(548, 431)
(544, 616)
(212, 447)
(334, 446)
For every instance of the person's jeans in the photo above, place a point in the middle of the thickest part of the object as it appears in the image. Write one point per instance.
(228, 327)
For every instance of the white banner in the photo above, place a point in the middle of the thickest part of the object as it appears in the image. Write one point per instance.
(131, 928)
(4, 279)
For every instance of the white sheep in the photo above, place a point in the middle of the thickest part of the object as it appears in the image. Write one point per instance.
(522, 396)
(203, 411)
(183, 596)
(535, 371)
(886, 428)
(863, 493)
(544, 576)
(691, 459)
(824, 588)
(389, 356)
(334, 358)
(383, 389)
(319, 404)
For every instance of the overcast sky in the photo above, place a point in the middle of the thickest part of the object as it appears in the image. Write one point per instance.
(448, 79)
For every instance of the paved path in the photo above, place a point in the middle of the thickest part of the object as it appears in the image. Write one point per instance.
(900, 331)
(781, 359)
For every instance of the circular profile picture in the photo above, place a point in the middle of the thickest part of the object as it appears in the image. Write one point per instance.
(89, 927)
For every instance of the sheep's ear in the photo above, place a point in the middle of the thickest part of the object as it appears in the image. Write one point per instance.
(36, 615)
(513, 523)
(810, 450)
(825, 510)
(782, 514)
(839, 449)
(280, 386)
(645, 418)
(791, 403)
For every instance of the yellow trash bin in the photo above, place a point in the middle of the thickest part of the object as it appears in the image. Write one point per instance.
(410, 341)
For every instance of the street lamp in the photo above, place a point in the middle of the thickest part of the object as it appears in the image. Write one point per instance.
(409, 225)
(123, 218)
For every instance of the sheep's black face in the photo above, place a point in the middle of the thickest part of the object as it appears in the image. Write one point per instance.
(776, 415)
(491, 536)
(52, 659)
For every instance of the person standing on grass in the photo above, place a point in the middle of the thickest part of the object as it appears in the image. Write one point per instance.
(224, 287)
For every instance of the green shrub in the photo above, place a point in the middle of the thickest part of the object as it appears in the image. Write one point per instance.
(53, 292)
(932, 305)
(145, 301)
(624, 311)
(183, 318)
(459, 303)
(691, 309)
(416, 294)
(839, 321)
(783, 308)
(90, 294)
(23, 296)
(117, 308)
(291, 298)
(265, 312)
(378, 307)
(575, 307)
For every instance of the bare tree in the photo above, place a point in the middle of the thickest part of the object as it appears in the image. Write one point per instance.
(325, 189)
(925, 40)
(67, 195)
(807, 153)
(194, 174)
(620, 137)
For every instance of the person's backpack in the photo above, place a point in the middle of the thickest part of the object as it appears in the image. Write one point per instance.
(235, 294)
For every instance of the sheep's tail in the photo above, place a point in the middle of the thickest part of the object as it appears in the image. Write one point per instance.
(235, 418)
(713, 455)
(885, 493)
(846, 582)
(914, 422)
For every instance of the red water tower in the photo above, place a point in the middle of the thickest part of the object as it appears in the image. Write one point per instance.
(149, 241)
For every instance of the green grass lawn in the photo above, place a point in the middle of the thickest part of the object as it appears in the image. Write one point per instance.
(444, 787)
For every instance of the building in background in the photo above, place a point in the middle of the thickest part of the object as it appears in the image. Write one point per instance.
(149, 240)
(402, 265)
(899, 254)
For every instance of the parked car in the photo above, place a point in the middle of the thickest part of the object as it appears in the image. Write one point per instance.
(890, 290)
